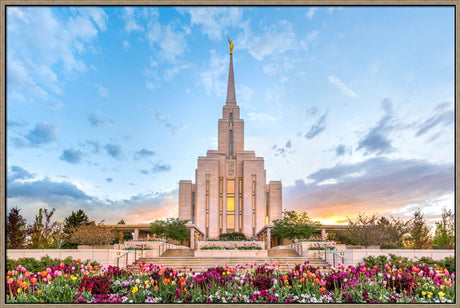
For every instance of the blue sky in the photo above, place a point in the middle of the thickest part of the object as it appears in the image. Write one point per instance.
(351, 107)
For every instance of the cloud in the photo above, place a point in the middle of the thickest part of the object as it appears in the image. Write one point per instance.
(102, 91)
(376, 140)
(374, 185)
(113, 150)
(129, 18)
(18, 173)
(95, 120)
(171, 42)
(149, 85)
(157, 168)
(289, 144)
(342, 87)
(125, 45)
(66, 197)
(172, 71)
(96, 146)
(144, 153)
(440, 118)
(33, 64)
(45, 190)
(318, 127)
(213, 20)
(214, 78)
(162, 119)
(310, 38)
(263, 117)
(282, 151)
(340, 150)
(311, 12)
(72, 156)
(41, 134)
(13, 123)
(277, 39)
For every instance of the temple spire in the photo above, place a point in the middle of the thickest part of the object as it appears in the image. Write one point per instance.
(231, 98)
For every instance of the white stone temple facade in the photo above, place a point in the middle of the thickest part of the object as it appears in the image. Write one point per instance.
(230, 193)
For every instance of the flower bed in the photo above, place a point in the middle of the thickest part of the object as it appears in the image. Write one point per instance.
(149, 283)
(225, 245)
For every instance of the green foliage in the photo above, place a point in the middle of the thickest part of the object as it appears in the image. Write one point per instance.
(448, 262)
(232, 236)
(172, 228)
(137, 248)
(389, 246)
(35, 266)
(419, 237)
(374, 230)
(158, 228)
(444, 235)
(294, 225)
(71, 222)
(321, 248)
(16, 229)
(92, 234)
(249, 247)
(43, 233)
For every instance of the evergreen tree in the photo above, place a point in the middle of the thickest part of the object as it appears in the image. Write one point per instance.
(419, 232)
(16, 229)
(71, 222)
(444, 235)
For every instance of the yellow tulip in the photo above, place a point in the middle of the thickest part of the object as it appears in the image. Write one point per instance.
(135, 289)
(441, 294)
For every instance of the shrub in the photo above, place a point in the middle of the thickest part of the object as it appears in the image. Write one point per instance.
(96, 284)
(389, 246)
(263, 282)
(232, 236)
(34, 265)
(321, 248)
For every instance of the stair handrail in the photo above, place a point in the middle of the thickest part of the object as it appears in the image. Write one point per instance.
(163, 247)
(338, 254)
(298, 248)
(126, 254)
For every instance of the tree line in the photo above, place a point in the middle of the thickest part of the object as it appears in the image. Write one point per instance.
(76, 229)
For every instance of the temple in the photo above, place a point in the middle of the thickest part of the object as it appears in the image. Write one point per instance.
(230, 193)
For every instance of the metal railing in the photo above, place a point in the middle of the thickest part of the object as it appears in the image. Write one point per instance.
(297, 247)
(338, 255)
(163, 248)
(126, 254)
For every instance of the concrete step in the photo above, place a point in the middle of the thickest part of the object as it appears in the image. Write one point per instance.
(282, 253)
(202, 263)
(178, 253)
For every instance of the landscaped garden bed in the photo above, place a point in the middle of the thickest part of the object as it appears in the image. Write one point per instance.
(148, 283)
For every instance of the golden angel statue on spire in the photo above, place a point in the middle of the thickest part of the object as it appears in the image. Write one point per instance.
(231, 44)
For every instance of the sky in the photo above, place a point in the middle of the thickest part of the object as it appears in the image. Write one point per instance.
(108, 108)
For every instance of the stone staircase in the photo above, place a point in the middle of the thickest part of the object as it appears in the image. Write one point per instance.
(178, 258)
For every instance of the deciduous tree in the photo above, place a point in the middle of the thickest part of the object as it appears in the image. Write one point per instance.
(71, 222)
(43, 233)
(92, 234)
(294, 226)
